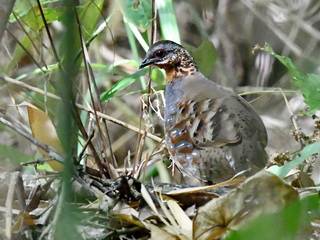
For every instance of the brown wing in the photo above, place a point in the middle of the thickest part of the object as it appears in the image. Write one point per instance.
(209, 122)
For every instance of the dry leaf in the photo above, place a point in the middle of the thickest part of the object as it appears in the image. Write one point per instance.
(44, 131)
(181, 217)
(176, 224)
(261, 193)
(158, 233)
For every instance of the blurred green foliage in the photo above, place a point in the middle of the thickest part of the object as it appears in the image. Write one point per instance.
(309, 84)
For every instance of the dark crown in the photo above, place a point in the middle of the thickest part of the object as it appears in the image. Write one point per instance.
(171, 57)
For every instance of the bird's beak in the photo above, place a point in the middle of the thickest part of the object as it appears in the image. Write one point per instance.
(147, 62)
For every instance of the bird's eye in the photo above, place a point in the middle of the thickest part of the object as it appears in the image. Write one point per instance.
(159, 53)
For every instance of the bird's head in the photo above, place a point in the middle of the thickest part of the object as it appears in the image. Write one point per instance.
(170, 56)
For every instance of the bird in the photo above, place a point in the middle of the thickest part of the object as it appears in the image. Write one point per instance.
(211, 133)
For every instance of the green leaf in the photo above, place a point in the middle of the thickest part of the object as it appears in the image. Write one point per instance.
(33, 18)
(284, 225)
(205, 56)
(89, 13)
(311, 92)
(122, 84)
(309, 85)
(139, 13)
(168, 21)
(304, 154)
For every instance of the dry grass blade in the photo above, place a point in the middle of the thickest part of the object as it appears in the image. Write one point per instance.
(176, 222)
(181, 217)
(206, 188)
(9, 203)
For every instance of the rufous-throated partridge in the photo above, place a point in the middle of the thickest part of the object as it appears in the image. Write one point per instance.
(211, 133)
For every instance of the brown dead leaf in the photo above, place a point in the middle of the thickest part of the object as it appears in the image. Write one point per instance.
(303, 180)
(44, 131)
(261, 193)
(37, 194)
(23, 219)
(130, 219)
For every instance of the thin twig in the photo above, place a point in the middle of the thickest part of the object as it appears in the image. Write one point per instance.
(96, 104)
(30, 38)
(258, 90)
(27, 86)
(25, 50)
(295, 125)
(49, 34)
(91, 146)
(147, 162)
(123, 124)
(142, 136)
(140, 142)
(86, 145)
(100, 114)
(51, 151)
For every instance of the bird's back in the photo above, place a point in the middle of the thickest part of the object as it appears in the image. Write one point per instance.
(211, 131)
